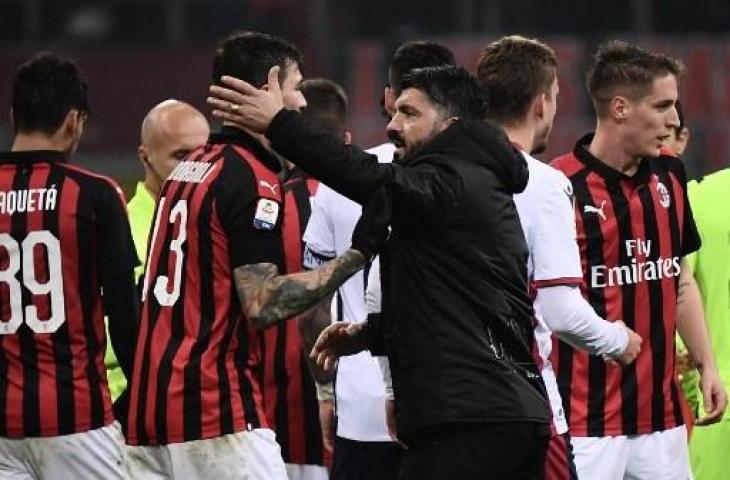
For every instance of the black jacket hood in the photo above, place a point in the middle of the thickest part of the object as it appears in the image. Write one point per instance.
(478, 142)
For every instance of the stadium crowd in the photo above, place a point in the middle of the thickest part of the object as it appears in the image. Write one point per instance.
(277, 302)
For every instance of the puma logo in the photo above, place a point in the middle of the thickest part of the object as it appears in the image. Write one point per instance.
(264, 183)
(597, 210)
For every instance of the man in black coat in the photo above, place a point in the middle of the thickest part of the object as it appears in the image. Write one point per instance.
(456, 316)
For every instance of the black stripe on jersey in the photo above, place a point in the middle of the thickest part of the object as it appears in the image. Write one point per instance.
(241, 360)
(675, 237)
(596, 297)
(177, 322)
(191, 388)
(65, 393)
(304, 207)
(657, 332)
(281, 379)
(312, 431)
(88, 276)
(153, 309)
(629, 398)
(28, 350)
(225, 399)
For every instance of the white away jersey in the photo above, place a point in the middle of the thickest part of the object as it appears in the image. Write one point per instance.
(546, 214)
(359, 384)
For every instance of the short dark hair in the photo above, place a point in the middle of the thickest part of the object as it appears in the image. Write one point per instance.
(417, 54)
(250, 55)
(45, 89)
(451, 88)
(326, 104)
(621, 68)
(512, 71)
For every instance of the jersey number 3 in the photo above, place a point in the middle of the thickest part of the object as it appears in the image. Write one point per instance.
(165, 293)
(53, 286)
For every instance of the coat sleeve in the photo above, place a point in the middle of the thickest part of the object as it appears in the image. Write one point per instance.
(347, 169)
(356, 174)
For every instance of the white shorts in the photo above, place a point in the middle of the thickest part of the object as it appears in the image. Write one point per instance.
(250, 455)
(97, 453)
(306, 472)
(654, 456)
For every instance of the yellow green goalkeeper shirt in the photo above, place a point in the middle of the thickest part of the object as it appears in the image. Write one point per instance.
(141, 209)
(710, 201)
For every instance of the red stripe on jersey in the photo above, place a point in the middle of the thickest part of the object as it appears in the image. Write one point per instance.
(555, 282)
(312, 186)
(267, 182)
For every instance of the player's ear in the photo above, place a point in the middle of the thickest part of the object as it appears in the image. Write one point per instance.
(619, 108)
(539, 105)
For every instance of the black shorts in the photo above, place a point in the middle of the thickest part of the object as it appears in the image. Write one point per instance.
(355, 460)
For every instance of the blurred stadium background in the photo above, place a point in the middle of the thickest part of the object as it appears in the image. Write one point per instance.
(136, 53)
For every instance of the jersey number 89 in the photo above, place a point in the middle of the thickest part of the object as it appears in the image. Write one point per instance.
(53, 287)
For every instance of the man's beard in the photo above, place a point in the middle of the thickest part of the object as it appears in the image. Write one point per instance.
(415, 147)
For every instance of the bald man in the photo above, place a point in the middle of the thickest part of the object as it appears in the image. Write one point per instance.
(169, 131)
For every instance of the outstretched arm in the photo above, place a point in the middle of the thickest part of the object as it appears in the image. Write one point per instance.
(267, 297)
(345, 168)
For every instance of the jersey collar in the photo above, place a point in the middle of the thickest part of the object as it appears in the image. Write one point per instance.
(237, 136)
(34, 156)
(607, 172)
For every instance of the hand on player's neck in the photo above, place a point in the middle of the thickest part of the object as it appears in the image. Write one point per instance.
(607, 147)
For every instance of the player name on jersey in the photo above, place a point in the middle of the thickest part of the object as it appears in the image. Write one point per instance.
(640, 269)
(191, 172)
(30, 200)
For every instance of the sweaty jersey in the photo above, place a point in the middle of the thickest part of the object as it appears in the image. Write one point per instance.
(546, 216)
(632, 233)
(710, 198)
(289, 396)
(197, 357)
(63, 230)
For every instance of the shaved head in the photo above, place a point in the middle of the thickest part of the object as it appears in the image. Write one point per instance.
(169, 132)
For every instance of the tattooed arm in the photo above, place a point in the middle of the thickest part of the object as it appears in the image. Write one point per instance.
(267, 297)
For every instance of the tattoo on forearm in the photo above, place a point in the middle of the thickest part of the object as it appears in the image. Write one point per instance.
(268, 298)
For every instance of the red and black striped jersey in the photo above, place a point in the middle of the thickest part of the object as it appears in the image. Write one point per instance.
(632, 233)
(62, 231)
(197, 360)
(290, 399)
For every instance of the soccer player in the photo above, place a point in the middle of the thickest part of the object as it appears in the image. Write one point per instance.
(363, 448)
(64, 238)
(196, 408)
(288, 390)
(170, 131)
(634, 227)
(519, 76)
(456, 313)
(709, 198)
